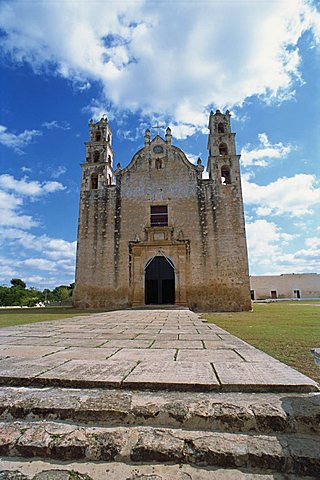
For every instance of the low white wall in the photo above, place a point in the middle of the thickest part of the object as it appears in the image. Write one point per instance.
(286, 286)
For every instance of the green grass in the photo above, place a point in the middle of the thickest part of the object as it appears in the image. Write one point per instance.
(19, 316)
(286, 330)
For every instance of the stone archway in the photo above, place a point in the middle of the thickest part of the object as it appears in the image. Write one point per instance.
(159, 281)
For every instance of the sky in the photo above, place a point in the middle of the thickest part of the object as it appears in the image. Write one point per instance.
(142, 63)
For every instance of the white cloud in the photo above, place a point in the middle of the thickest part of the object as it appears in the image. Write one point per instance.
(181, 131)
(261, 156)
(40, 264)
(313, 242)
(25, 169)
(264, 241)
(54, 256)
(12, 196)
(176, 61)
(54, 124)
(294, 196)
(54, 248)
(7, 269)
(10, 212)
(17, 141)
(28, 188)
(58, 171)
(305, 260)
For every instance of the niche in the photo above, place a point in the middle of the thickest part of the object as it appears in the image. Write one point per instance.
(225, 175)
(223, 149)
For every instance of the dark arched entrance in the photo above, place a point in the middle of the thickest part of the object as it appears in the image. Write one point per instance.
(159, 282)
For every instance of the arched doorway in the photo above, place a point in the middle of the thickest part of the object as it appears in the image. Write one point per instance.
(159, 282)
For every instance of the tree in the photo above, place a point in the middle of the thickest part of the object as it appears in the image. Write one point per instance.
(17, 282)
(61, 293)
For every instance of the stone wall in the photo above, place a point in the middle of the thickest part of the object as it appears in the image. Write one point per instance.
(286, 286)
(204, 238)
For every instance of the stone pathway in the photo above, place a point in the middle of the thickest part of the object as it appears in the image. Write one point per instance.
(89, 398)
(140, 349)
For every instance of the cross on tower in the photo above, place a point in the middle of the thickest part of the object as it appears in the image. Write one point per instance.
(158, 128)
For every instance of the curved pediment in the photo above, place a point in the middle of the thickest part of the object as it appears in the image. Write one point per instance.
(162, 153)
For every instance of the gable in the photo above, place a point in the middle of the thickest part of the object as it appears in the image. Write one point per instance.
(160, 167)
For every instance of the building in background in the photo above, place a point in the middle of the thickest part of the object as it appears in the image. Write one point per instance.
(156, 232)
(286, 286)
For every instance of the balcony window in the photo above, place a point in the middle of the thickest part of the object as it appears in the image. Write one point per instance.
(159, 216)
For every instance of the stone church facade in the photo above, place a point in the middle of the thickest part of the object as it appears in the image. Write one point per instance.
(156, 232)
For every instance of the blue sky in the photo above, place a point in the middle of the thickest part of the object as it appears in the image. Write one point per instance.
(143, 62)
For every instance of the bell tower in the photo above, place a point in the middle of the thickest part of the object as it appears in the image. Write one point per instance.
(227, 205)
(97, 169)
(223, 162)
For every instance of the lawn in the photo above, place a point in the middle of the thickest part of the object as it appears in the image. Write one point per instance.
(286, 330)
(19, 316)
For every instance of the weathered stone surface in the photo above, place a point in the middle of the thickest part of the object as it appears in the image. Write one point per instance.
(254, 355)
(22, 371)
(211, 356)
(204, 235)
(181, 344)
(282, 453)
(148, 355)
(229, 412)
(28, 351)
(265, 376)
(122, 471)
(14, 475)
(225, 362)
(128, 344)
(173, 375)
(45, 475)
(79, 353)
(88, 373)
(254, 432)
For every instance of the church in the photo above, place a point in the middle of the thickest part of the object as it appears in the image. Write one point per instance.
(156, 232)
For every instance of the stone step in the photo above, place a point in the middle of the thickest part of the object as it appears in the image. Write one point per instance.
(285, 453)
(224, 412)
(41, 470)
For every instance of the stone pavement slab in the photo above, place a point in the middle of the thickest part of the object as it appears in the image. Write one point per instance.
(144, 354)
(180, 344)
(21, 371)
(79, 373)
(187, 375)
(128, 343)
(270, 376)
(211, 356)
(156, 349)
(75, 353)
(28, 351)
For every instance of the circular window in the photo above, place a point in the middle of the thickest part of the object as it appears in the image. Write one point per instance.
(158, 149)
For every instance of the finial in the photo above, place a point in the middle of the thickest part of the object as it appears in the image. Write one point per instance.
(168, 135)
(199, 162)
(147, 137)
